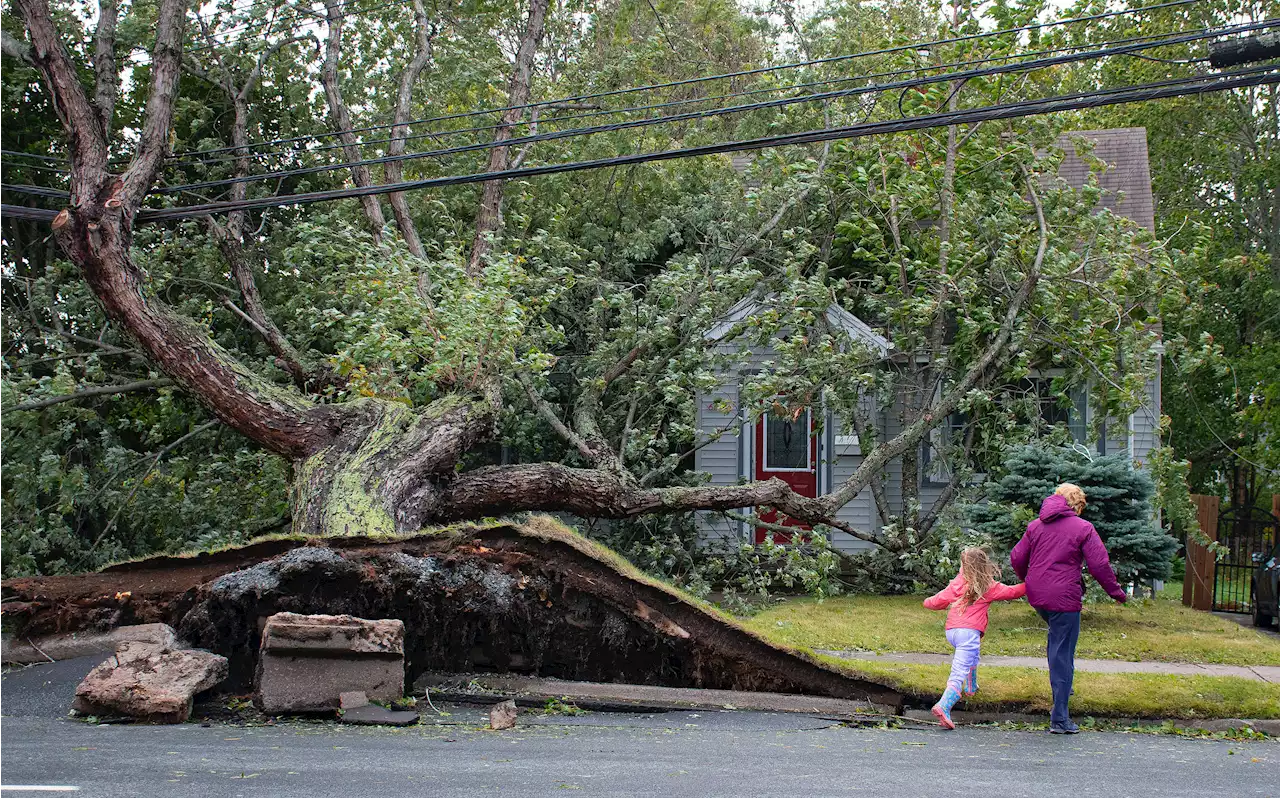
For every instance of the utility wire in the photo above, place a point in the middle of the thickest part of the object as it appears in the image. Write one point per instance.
(33, 156)
(702, 79)
(735, 109)
(442, 134)
(1177, 87)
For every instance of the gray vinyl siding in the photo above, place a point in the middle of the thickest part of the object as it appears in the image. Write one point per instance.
(719, 459)
(728, 460)
(1146, 422)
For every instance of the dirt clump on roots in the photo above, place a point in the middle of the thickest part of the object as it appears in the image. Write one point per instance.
(535, 599)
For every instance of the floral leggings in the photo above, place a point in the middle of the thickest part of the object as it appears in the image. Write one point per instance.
(968, 646)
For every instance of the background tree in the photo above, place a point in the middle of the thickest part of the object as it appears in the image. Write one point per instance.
(1214, 171)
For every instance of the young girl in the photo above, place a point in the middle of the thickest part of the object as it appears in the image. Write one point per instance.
(969, 595)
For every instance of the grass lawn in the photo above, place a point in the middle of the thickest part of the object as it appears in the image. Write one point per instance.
(1158, 630)
(1097, 694)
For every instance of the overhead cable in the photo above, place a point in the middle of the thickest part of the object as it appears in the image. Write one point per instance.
(1021, 66)
(704, 78)
(439, 134)
(1177, 87)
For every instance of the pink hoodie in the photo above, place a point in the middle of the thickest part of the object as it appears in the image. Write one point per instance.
(971, 616)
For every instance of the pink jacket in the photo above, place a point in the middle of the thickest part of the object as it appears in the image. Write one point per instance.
(971, 616)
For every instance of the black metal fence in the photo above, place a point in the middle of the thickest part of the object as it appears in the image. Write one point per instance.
(1248, 535)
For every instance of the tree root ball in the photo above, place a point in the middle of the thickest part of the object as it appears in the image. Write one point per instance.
(535, 599)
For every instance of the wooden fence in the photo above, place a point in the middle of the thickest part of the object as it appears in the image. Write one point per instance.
(1197, 586)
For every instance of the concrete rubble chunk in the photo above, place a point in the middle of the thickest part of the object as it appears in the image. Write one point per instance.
(307, 662)
(70, 645)
(149, 682)
(502, 715)
(353, 700)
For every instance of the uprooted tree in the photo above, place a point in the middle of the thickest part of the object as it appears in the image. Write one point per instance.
(383, 429)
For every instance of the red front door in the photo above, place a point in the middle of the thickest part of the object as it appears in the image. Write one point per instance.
(786, 448)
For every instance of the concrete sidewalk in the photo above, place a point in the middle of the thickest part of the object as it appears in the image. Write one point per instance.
(1257, 673)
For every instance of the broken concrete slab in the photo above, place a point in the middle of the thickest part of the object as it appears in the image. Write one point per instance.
(307, 662)
(614, 697)
(152, 683)
(353, 700)
(288, 632)
(375, 715)
(72, 645)
(502, 715)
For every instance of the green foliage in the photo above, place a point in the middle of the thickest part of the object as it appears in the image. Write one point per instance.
(745, 575)
(1119, 505)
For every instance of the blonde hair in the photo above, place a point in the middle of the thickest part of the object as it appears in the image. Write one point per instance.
(979, 572)
(1073, 494)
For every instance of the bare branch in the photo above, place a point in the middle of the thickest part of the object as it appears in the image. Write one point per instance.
(394, 169)
(166, 69)
(256, 73)
(106, 73)
(340, 115)
(88, 393)
(548, 414)
(489, 218)
(865, 444)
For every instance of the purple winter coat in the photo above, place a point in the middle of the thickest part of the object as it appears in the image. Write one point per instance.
(1049, 555)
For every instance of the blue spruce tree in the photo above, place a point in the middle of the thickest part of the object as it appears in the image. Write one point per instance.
(1119, 505)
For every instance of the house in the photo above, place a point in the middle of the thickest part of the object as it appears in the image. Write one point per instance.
(815, 458)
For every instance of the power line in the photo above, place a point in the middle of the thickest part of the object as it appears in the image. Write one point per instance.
(724, 76)
(736, 109)
(1176, 87)
(673, 103)
(23, 212)
(33, 156)
(36, 191)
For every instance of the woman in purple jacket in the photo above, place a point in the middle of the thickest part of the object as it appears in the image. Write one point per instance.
(1048, 559)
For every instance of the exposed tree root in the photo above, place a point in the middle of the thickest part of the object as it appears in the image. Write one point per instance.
(534, 598)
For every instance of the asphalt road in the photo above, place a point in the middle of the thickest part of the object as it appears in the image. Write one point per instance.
(670, 755)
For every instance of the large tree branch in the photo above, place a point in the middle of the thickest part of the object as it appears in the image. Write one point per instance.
(96, 234)
(340, 115)
(88, 147)
(394, 169)
(596, 493)
(88, 393)
(995, 353)
(489, 218)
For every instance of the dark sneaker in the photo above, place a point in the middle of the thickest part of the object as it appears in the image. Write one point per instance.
(1064, 728)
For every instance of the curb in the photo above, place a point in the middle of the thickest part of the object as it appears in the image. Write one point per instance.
(1270, 727)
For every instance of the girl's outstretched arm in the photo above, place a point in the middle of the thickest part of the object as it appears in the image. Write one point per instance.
(945, 597)
(1002, 592)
